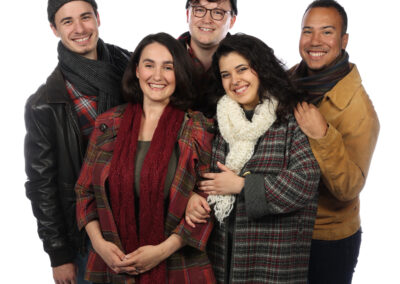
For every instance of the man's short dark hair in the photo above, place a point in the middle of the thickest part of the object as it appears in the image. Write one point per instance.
(233, 4)
(330, 4)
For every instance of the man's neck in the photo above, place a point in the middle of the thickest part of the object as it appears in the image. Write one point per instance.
(204, 55)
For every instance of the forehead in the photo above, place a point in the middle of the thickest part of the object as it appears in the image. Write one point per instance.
(322, 17)
(224, 4)
(156, 52)
(73, 8)
(231, 61)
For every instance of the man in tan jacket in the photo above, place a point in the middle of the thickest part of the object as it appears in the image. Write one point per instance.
(340, 121)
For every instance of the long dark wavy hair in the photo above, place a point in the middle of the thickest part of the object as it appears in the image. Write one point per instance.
(185, 74)
(274, 80)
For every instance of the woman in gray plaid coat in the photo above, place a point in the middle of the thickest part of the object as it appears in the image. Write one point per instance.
(263, 189)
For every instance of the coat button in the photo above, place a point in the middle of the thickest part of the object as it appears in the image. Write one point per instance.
(103, 127)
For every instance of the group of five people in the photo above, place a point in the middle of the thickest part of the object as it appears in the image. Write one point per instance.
(207, 161)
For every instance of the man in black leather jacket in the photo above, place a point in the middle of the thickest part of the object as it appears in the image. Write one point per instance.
(59, 118)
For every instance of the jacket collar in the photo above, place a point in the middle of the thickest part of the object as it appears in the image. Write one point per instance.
(344, 90)
(56, 90)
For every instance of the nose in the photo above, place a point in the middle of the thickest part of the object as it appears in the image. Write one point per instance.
(235, 79)
(207, 16)
(157, 74)
(79, 27)
(315, 39)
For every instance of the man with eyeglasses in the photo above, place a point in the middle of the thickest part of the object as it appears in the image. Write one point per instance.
(209, 22)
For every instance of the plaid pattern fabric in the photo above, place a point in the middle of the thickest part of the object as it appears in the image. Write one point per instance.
(188, 265)
(185, 40)
(271, 245)
(85, 107)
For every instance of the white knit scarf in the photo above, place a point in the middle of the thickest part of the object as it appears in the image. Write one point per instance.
(241, 135)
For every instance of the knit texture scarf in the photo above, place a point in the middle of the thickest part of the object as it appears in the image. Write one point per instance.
(101, 77)
(317, 85)
(152, 179)
(241, 136)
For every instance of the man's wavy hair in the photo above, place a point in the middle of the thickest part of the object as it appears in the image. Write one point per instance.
(185, 75)
(274, 79)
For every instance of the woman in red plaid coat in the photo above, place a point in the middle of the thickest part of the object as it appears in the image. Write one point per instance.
(142, 163)
(263, 185)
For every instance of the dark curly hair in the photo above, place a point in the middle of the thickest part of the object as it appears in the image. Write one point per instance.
(185, 75)
(274, 79)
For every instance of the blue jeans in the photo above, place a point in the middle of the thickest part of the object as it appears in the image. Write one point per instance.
(80, 262)
(333, 262)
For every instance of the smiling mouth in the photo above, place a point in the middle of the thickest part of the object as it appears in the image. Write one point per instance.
(81, 40)
(206, 29)
(157, 86)
(316, 54)
(241, 90)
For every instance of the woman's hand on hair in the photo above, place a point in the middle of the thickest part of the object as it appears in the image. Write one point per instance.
(225, 182)
(310, 120)
(197, 210)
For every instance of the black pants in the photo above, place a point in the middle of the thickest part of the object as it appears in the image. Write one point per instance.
(333, 262)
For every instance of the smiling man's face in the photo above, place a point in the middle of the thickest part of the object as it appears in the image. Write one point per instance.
(321, 40)
(76, 24)
(206, 32)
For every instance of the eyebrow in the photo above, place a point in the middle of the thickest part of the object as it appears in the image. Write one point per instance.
(324, 27)
(81, 15)
(152, 61)
(240, 65)
(236, 67)
(65, 19)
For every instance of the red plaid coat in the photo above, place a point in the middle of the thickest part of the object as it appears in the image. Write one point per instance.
(188, 265)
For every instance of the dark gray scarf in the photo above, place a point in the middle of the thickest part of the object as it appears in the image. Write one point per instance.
(101, 77)
(317, 85)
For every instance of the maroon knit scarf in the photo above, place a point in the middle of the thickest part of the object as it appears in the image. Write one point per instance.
(152, 179)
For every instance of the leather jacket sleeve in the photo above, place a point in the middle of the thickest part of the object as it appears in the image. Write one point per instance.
(42, 187)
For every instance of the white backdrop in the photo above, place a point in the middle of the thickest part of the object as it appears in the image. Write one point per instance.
(28, 55)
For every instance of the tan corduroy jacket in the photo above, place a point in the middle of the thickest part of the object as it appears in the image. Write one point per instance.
(344, 156)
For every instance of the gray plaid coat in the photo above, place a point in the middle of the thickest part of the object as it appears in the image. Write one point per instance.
(272, 222)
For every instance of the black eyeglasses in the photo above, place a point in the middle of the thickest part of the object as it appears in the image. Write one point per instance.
(216, 14)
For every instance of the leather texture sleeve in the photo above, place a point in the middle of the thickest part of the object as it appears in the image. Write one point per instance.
(42, 187)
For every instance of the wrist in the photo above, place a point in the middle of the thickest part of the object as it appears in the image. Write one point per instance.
(240, 184)
(98, 243)
(170, 245)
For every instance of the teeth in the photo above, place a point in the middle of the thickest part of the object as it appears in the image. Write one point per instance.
(206, 30)
(317, 54)
(241, 90)
(82, 39)
(156, 86)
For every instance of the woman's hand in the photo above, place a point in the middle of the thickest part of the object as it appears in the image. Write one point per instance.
(225, 182)
(110, 253)
(147, 257)
(141, 260)
(197, 210)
